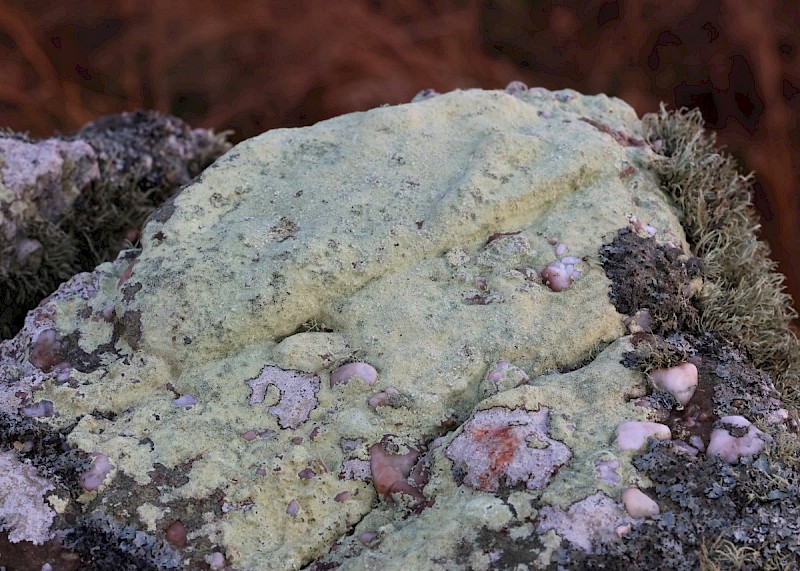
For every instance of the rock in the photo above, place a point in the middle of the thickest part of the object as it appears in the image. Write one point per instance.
(408, 238)
(70, 202)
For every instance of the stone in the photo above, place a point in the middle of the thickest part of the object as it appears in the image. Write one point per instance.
(408, 238)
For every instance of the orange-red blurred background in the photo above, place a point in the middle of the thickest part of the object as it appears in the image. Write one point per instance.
(253, 65)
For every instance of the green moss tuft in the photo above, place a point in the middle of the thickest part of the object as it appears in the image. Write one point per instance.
(22, 286)
(743, 297)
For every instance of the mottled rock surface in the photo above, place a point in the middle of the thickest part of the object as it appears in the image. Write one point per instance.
(409, 238)
(71, 202)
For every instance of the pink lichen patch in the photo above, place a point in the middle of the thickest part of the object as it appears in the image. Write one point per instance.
(640, 322)
(560, 274)
(507, 444)
(297, 390)
(391, 471)
(634, 435)
(607, 470)
(620, 137)
(680, 381)
(38, 410)
(555, 276)
(595, 518)
(344, 374)
(185, 400)
(355, 469)
(627, 171)
(250, 435)
(368, 538)
(644, 230)
(503, 376)
(126, 274)
(516, 86)
(217, 561)
(23, 512)
(93, 478)
(735, 437)
(638, 504)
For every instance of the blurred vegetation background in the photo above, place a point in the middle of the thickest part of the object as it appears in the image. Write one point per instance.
(253, 65)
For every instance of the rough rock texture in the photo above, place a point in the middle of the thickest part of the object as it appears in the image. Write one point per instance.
(69, 203)
(410, 238)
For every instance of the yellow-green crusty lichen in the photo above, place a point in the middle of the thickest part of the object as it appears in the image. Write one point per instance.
(410, 238)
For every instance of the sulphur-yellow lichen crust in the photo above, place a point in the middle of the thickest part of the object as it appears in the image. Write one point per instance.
(410, 238)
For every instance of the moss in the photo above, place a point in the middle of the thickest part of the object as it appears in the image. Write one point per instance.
(743, 298)
(22, 286)
(143, 158)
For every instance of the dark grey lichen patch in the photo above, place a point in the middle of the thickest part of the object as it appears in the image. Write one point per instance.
(73, 201)
(297, 389)
(46, 449)
(753, 506)
(728, 384)
(105, 544)
(125, 495)
(652, 276)
(506, 549)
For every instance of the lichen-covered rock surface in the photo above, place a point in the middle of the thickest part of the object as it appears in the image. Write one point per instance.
(193, 379)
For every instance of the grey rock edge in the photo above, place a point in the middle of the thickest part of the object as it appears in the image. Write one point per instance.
(197, 382)
(70, 202)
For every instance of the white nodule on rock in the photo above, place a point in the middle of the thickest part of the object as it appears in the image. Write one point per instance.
(730, 447)
(93, 478)
(679, 381)
(634, 435)
(345, 373)
(557, 276)
(638, 504)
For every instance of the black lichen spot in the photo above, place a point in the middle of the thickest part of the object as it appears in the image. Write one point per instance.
(129, 291)
(80, 359)
(129, 328)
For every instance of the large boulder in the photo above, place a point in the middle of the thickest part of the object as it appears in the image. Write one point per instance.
(391, 340)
